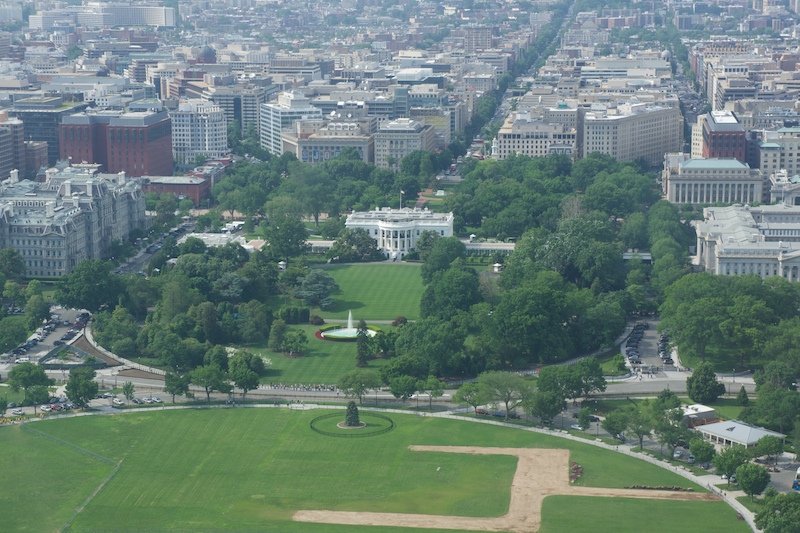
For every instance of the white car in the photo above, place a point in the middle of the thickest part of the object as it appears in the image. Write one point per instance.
(117, 401)
(677, 454)
(45, 409)
(18, 412)
(148, 400)
(576, 427)
(156, 399)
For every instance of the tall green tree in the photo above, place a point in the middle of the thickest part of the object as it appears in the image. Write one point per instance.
(403, 387)
(729, 459)
(544, 405)
(81, 386)
(702, 386)
(128, 390)
(615, 422)
(242, 376)
(287, 237)
(640, 420)
(176, 384)
(779, 513)
(12, 266)
(443, 252)
(92, 286)
(702, 450)
(506, 388)
(36, 311)
(211, 378)
(470, 393)
(752, 479)
(356, 383)
(25, 376)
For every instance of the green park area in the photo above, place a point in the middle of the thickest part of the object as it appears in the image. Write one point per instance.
(322, 361)
(251, 469)
(379, 291)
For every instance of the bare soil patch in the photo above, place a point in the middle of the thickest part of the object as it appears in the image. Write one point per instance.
(540, 473)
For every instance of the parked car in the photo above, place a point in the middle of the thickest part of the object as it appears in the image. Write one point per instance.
(137, 401)
(17, 412)
(593, 418)
(576, 427)
(156, 399)
(690, 460)
(117, 402)
(480, 411)
(45, 408)
(677, 454)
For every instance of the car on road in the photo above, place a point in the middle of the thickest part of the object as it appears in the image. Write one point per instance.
(480, 411)
(593, 418)
(18, 412)
(576, 427)
(677, 454)
(690, 460)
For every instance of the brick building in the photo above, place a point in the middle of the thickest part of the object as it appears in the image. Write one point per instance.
(138, 143)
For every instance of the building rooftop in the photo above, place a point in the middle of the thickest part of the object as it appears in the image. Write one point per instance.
(739, 432)
(716, 164)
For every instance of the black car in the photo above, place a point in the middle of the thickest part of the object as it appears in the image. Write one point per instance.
(593, 418)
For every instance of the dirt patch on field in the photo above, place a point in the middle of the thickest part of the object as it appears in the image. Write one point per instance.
(540, 473)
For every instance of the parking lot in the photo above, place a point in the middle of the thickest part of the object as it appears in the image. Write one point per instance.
(646, 351)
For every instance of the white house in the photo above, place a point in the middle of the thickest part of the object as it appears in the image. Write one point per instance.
(396, 230)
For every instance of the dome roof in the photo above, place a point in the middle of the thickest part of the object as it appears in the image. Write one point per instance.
(207, 55)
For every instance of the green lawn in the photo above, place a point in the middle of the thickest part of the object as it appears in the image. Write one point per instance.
(379, 291)
(579, 513)
(250, 469)
(322, 362)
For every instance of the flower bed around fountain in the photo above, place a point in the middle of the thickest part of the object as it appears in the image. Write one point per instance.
(341, 333)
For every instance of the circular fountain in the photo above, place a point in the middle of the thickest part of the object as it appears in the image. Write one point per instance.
(342, 333)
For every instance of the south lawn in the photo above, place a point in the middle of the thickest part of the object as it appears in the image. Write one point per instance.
(322, 362)
(377, 291)
(250, 469)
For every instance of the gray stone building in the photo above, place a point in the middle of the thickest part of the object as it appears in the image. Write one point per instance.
(74, 215)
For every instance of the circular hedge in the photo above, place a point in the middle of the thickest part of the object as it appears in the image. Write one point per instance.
(376, 424)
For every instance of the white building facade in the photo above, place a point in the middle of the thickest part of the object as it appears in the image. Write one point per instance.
(709, 181)
(396, 231)
(198, 128)
(762, 241)
(282, 114)
(523, 135)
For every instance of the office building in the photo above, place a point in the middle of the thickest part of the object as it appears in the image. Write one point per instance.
(198, 129)
(723, 136)
(398, 138)
(762, 241)
(275, 117)
(138, 143)
(711, 181)
(632, 131)
(522, 135)
(73, 216)
(41, 117)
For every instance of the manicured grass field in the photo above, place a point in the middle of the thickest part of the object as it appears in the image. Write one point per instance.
(251, 469)
(379, 291)
(322, 362)
(577, 513)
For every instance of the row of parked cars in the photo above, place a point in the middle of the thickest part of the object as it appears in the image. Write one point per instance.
(663, 350)
(496, 414)
(58, 404)
(74, 329)
(632, 344)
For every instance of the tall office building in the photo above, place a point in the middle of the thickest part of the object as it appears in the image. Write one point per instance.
(198, 128)
(138, 143)
(241, 102)
(41, 118)
(477, 38)
(633, 131)
(289, 108)
(723, 136)
(398, 138)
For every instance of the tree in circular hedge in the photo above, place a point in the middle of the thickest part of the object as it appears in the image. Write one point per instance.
(351, 418)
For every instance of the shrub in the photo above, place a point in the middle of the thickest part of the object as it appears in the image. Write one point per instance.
(399, 321)
(294, 315)
(316, 320)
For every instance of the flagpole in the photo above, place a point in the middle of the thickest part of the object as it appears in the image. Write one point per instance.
(401, 199)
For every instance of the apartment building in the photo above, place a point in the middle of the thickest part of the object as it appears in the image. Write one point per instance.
(723, 136)
(780, 150)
